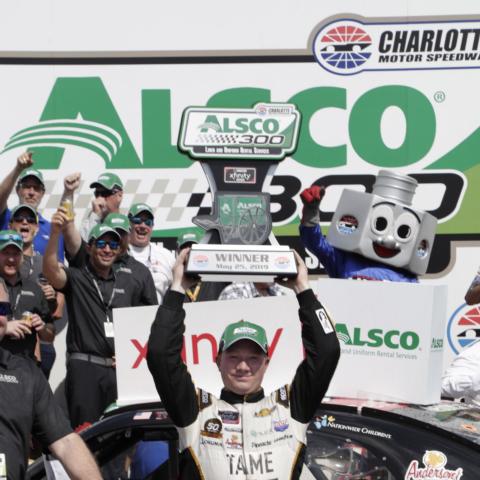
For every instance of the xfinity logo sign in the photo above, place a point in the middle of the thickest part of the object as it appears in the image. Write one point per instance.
(239, 175)
(352, 45)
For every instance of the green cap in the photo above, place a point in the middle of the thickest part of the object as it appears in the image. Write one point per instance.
(31, 172)
(117, 221)
(137, 208)
(108, 180)
(26, 207)
(243, 331)
(10, 237)
(101, 229)
(187, 237)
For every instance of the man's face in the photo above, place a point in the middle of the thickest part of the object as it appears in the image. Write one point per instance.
(10, 259)
(142, 228)
(25, 223)
(243, 367)
(103, 251)
(30, 191)
(113, 198)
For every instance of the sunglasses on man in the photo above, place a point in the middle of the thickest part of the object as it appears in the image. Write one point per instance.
(139, 220)
(113, 244)
(20, 218)
(105, 193)
(16, 237)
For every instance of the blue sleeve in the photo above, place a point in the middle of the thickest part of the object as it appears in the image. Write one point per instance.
(330, 257)
(5, 219)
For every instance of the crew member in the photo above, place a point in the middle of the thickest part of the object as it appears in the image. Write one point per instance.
(77, 253)
(108, 193)
(91, 293)
(156, 258)
(30, 188)
(24, 220)
(242, 434)
(30, 313)
(27, 406)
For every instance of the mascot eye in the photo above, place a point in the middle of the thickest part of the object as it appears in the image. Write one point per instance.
(381, 224)
(404, 231)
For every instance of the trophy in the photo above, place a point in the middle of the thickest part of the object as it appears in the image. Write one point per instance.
(239, 150)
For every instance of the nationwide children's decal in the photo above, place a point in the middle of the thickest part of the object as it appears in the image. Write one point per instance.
(329, 422)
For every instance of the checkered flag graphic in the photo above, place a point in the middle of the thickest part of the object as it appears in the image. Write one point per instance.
(218, 138)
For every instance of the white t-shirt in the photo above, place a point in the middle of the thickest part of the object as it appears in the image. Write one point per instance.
(462, 378)
(90, 221)
(159, 261)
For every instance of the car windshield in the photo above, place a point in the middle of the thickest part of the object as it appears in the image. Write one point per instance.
(330, 458)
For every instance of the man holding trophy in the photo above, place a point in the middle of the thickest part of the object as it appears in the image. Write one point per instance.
(219, 436)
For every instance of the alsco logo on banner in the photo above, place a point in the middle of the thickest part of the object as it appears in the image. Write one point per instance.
(351, 45)
(376, 337)
(264, 131)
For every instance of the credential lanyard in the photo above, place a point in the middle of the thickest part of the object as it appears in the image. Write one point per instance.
(109, 304)
(15, 303)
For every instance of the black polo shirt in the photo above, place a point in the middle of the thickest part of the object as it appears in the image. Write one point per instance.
(144, 293)
(25, 295)
(26, 405)
(88, 309)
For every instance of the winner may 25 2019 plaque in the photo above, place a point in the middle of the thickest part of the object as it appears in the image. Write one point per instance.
(262, 263)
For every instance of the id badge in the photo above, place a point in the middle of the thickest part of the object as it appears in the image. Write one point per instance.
(109, 333)
(3, 467)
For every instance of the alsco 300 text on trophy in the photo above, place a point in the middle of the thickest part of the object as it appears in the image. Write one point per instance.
(239, 150)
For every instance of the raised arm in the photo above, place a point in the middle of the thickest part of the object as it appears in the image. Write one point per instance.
(8, 183)
(322, 349)
(71, 234)
(311, 232)
(174, 383)
(52, 270)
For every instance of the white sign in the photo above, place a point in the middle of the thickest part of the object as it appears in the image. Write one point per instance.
(391, 336)
(205, 322)
(388, 347)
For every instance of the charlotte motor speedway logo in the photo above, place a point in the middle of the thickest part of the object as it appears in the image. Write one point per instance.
(348, 46)
(343, 47)
(463, 327)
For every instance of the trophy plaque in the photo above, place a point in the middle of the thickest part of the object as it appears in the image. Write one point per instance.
(259, 263)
